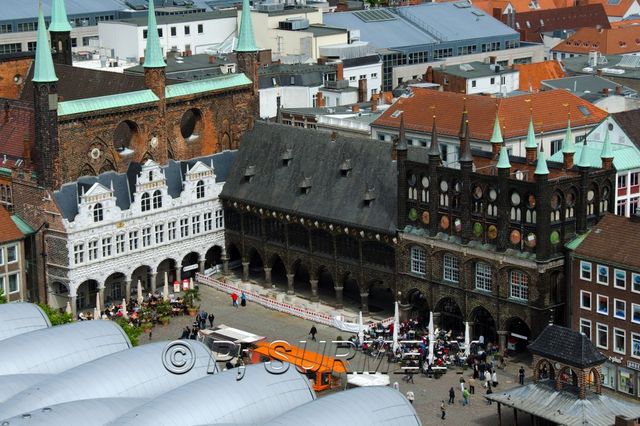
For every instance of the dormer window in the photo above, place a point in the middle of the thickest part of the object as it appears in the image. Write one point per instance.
(305, 186)
(150, 175)
(369, 196)
(146, 202)
(98, 213)
(287, 156)
(157, 199)
(249, 173)
(200, 189)
(345, 168)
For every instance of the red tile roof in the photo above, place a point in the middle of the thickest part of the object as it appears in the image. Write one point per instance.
(16, 125)
(8, 229)
(549, 112)
(519, 5)
(532, 24)
(614, 9)
(613, 240)
(531, 75)
(614, 41)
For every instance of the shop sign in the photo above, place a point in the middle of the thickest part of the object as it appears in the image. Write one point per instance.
(633, 365)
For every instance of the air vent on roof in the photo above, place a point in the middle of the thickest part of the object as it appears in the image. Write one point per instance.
(249, 173)
(369, 196)
(305, 186)
(374, 15)
(462, 4)
(466, 67)
(345, 167)
(287, 156)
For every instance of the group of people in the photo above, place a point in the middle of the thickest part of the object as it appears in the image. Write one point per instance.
(234, 299)
(200, 323)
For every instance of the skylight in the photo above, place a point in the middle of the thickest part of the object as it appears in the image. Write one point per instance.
(584, 110)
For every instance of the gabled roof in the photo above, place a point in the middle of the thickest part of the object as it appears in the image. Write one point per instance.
(316, 158)
(566, 345)
(520, 6)
(611, 41)
(8, 229)
(548, 108)
(613, 240)
(532, 23)
(531, 75)
(628, 122)
(614, 8)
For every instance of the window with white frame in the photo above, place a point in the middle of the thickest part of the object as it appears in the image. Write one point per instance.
(145, 202)
(106, 247)
(451, 271)
(603, 305)
(635, 283)
(620, 309)
(585, 327)
(483, 276)
(602, 336)
(157, 199)
(120, 244)
(98, 213)
(603, 274)
(635, 345)
(133, 240)
(635, 313)
(93, 250)
(208, 221)
(519, 285)
(78, 254)
(12, 253)
(184, 227)
(159, 234)
(418, 260)
(195, 221)
(14, 283)
(146, 236)
(585, 270)
(620, 278)
(619, 340)
(200, 189)
(171, 230)
(585, 300)
(219, 219)
(1, 256)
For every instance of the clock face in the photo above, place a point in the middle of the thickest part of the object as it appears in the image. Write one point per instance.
(515, 199)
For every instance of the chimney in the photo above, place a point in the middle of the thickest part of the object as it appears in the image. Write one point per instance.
(339, 71)
(605, 91)
(362, 90)
(567, 160)
(622, 420)
(429, 76)
(607, 163)
(212, 59)
(375, 98)
(618, 90)
(492, 60)
(319, 100)
(355, 108)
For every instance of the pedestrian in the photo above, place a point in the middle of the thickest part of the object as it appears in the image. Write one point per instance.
(396, 386)
(494, 378)
(234, 299)
(313, 332)
(443, 409)
(472, 385)
(465, 397)
(211, 318)
(185, 333)
(150, 334)
(461, 384)
(521, 375)
(243, 299)
(452, 396)
(410, 396)
(489, 392)
(487, 378)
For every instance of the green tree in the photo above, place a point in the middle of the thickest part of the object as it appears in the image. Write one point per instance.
(131, 331)
(55, 316)
(2, 298)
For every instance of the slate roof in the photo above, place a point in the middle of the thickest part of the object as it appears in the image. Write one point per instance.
(9, 231)
(176, 19)
(303, 75)
(614, 8)
(478, 70)
(628, 122)
(613, 240)
(586, 86)
(566, 345)
(360, 61)
(68, 196)
(555, 19)
(331, 197)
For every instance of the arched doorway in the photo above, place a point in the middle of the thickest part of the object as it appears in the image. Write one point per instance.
(350, 290)
(190, 265)
(114, 288)
(168, 266)
(449, 316)
(278, 273)
(235, 258)
(301, 284)
(419, 305)
(518, 334)
(256, 265)
(326, 289)
(482, 324)
(213, 257)
(381, 300)
(86, 295)
(142, 273)
(58, 294)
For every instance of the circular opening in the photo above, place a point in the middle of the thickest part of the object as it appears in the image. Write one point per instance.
(17, 79)
(555, 202)
(124, 135)
(425, 182)
(515, 199)
(477, 192)
(412, 180)
(191, 124)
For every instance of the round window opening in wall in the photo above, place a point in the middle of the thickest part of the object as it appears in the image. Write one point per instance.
(124, 135)
(191, 124)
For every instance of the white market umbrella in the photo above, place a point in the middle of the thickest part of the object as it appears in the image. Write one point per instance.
(125, 315)
(68, 309)
(432, 338)
(360, 329)
(140, 297)
(96, 313)
(98, 305)
(165, 289)
(467, 339)
(191, 287)
(396, 327)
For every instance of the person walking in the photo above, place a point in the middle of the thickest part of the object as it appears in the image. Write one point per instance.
(489, 392)
(494, 378)
(443, 409)
(465, 397)
(211, 318)
(396, 386)
(472, 385)
(521, 375)
(461, 384)
(452, 396)
(234, 299)
(487, 378)
(313, 332)
(410, 396)
(243, 299)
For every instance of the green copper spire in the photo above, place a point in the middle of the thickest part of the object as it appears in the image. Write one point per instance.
(568, 146)
(503, 159)
(153, 53)
(497, 133)
(541, 165)
(43, 66)
(531, 136)
(246, 39)
(607, 150)
(59, 21)
(584, 157)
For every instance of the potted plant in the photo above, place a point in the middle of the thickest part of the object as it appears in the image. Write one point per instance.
(146, 326)
(164, 312)
(192, 296)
